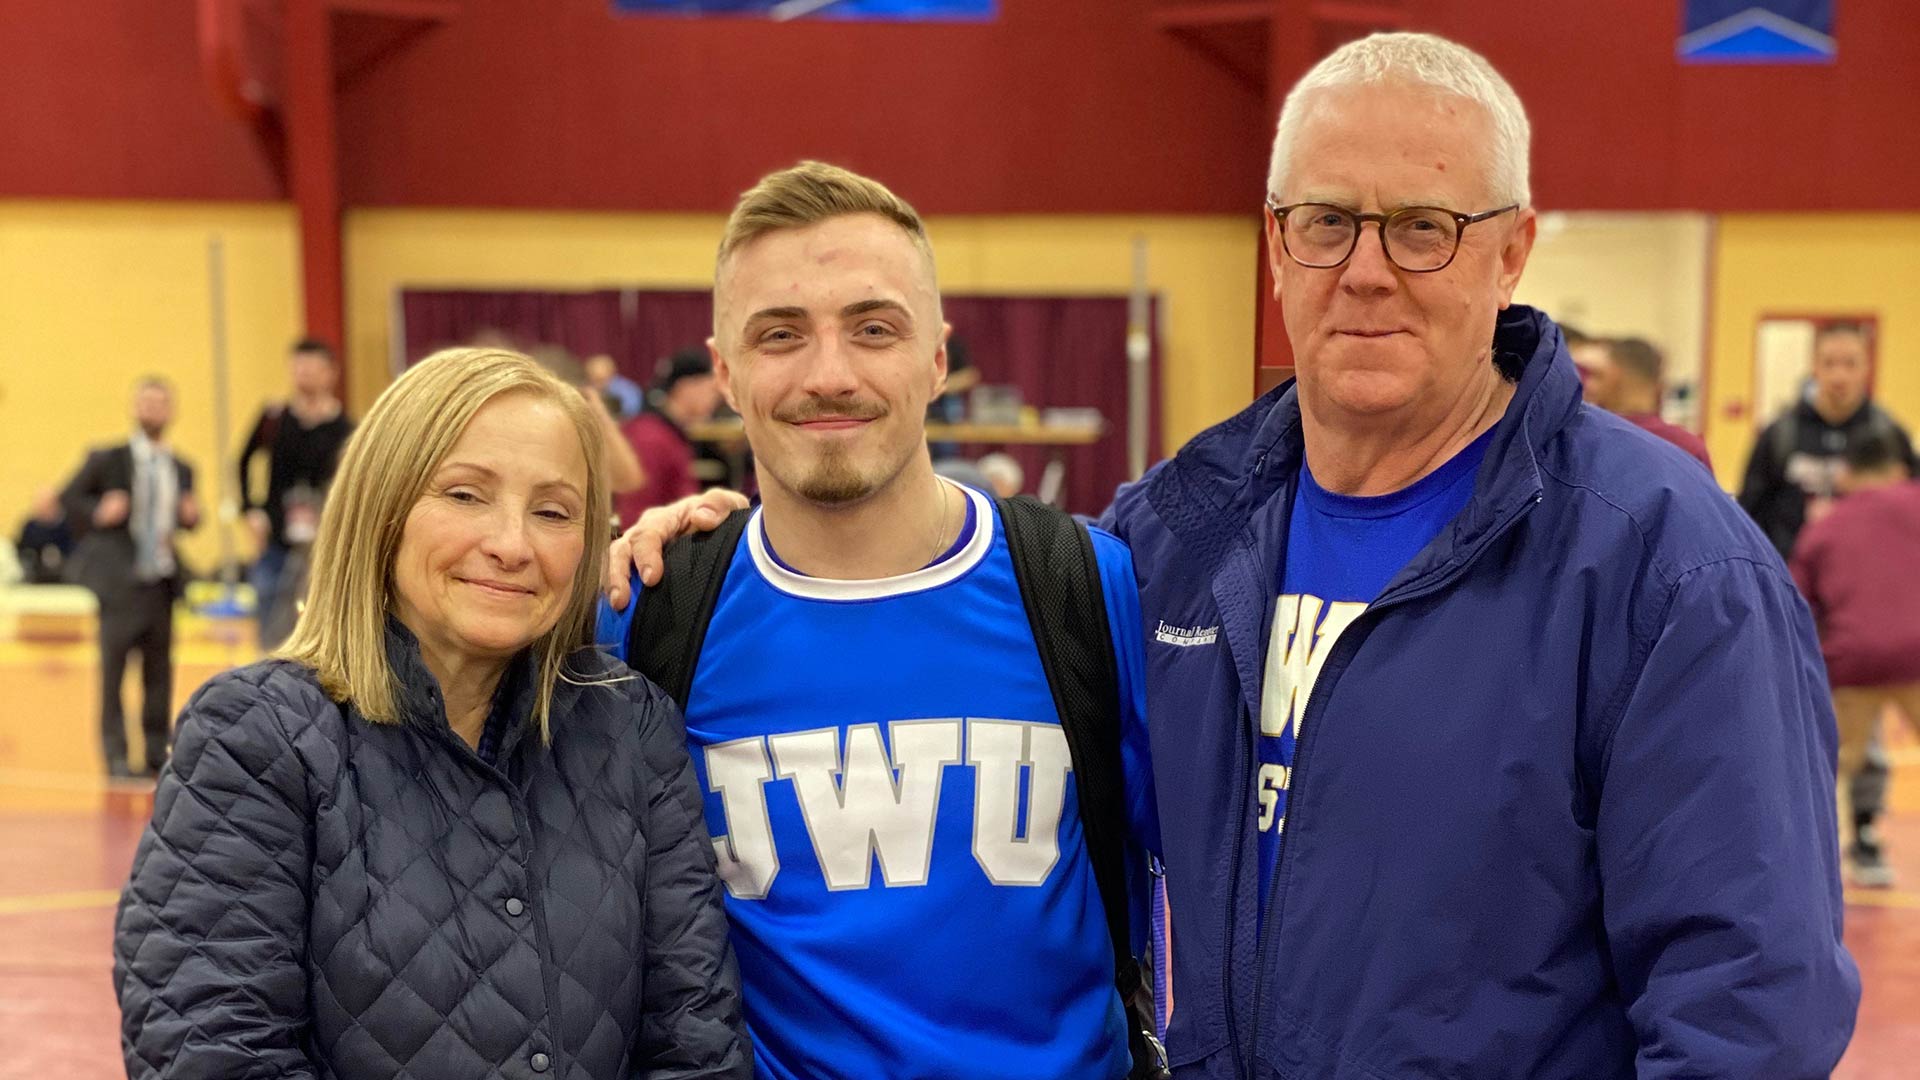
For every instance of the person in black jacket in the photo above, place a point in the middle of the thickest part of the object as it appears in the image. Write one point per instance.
(1796, 461)
(126, 504)
(436, 835)
(302, 438)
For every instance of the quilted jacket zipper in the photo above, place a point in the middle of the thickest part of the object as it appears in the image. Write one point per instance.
(499, 771)
(549, 972)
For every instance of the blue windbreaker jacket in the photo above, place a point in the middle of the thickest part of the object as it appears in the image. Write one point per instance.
(1563, 805)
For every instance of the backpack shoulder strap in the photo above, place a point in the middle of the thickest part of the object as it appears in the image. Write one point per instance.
(667, 633)
(1059, 578)
(1053, 560)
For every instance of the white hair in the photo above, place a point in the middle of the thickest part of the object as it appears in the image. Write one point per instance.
(1421, 60)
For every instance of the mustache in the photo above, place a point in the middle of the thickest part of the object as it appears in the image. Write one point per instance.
(830, 409)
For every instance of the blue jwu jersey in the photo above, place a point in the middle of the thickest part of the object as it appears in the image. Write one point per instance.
(893, 806)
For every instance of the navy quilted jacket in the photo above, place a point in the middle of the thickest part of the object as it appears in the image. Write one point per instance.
(319, 896)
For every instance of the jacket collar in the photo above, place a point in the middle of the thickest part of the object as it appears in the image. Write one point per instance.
(1511, 480)
(422, 704)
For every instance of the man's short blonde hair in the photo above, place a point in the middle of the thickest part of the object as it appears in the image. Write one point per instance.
(393, 454)
(809, 193)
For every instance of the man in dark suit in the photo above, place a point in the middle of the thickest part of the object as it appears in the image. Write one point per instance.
(127, 503)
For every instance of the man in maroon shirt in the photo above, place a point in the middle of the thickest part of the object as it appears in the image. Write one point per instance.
(1623, 376)
(684, 396)
(1855, 565)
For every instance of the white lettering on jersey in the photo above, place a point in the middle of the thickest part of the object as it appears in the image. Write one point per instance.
(998, 750)
(1302, 639)
(879, 807)
(1273, 780)
(738, 772)
(860, 803)
(1299, 647)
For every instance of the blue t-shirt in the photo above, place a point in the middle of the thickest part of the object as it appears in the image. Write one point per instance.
(895, 818)
(1342, 550)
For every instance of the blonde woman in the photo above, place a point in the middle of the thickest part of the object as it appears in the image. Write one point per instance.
(435, 835)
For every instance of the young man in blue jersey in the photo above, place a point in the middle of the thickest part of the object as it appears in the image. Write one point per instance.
(891, 791)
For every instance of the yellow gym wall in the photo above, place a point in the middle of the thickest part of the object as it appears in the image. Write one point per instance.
(1201, 267)
(1617, 274)
(93, 295)
(1796, 264)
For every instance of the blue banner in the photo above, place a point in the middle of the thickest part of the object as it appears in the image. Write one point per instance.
(781, 10)
(1757, 32)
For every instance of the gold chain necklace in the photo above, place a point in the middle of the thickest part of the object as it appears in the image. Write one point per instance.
(939, 525)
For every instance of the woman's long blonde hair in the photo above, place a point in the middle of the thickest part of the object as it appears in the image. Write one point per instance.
(341, 634)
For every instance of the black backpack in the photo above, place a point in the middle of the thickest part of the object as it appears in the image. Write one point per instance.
(1053, 561)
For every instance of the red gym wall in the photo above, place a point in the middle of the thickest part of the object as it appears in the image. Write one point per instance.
(1060, 106)
(105, 99)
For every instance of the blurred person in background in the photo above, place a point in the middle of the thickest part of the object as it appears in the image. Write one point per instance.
(1793, 475)
(301, 437)
(1575, 336)
(1625, 377)
(624, 395)
(1792, 470)
(438, 835)
(1859, 567)
(127, 504)
(492, 337)
(624, 471)
(46, 541)
(685, 395)
(951, 406)
(1003, 474)
(1587, 351)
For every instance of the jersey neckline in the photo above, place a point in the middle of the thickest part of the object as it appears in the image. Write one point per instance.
(940, 573)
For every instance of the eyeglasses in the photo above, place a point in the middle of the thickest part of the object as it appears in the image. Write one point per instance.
(1418, 239)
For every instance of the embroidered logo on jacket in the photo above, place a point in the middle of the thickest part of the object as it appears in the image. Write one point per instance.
(1184, 636)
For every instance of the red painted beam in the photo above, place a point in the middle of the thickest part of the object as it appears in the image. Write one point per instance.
(1360, 13)
(222, 35)
(313, 160)
(1213, 14)
(1292, 48)
(429, 10)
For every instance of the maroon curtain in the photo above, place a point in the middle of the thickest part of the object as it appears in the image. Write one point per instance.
(584, 323)
(1059, 350)
(639, 329)
(661, 324)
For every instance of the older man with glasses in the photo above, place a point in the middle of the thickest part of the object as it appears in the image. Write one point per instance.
(1491, 737)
